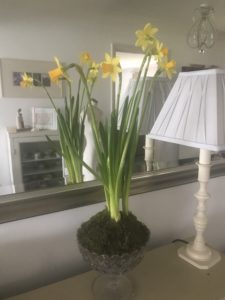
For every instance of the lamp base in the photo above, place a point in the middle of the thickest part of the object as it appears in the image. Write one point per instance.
(199, 262)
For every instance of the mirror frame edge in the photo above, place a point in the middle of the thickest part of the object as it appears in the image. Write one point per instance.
(25, 205)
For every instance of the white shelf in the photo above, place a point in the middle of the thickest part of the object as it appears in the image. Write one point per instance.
(25, 144)
(42, 171)
(40, 160)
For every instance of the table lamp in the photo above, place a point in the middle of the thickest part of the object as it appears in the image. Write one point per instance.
(194, 115)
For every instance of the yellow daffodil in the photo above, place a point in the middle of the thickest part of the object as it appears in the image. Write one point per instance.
(27, 81)
(156, 49)
(168, 67)
(58, 73)
(146, 37)
(93, 72)
(85, 58)
(160, 53)
(165, 51)
(110, 67)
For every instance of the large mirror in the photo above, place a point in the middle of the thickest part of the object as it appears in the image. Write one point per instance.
(31, 31)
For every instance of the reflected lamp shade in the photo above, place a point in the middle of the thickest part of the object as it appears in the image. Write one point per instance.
(194, 115)
(158, 155)
(194, 112)
(157, 96)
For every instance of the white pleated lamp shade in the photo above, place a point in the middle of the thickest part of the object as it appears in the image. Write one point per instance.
(194, 112)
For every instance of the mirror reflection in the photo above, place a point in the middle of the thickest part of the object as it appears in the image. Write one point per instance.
(28, 162)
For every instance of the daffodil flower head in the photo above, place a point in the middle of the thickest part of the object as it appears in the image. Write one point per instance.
(146, 37)
(111, 67)
(85, 58)
(169, 66)
(93, 72)
(156, 48)
(160, 52)
(58, 73)
(27, 81)
(165, 51)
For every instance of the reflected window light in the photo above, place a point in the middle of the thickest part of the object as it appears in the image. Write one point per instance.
(130, 64)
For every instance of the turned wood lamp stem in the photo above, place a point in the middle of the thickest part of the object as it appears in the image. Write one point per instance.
(197, 252)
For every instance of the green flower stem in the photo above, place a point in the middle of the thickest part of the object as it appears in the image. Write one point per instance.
(134, 115)
(129, 172)
(110, 192)
(115, 147)
(50, 98)
(71, 106)
(114, 206)
(71, 131)
(132, 132)
(92, 171)
(137, 81)
(69, 152)
(99, 147)
(131, 102)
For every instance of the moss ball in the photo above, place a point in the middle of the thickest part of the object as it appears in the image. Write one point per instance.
(102, 235)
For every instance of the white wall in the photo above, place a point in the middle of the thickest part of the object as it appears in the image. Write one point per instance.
(39, 250)
(39, 32)
(44, 249)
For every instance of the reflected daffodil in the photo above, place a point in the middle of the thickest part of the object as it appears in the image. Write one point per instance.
(168, 67)
(156, 49)
(27, 81)
(85, 58)
(146, 37)
(160, 53)
(165, 51)
(111, 67)
(58, 73)
(93, 72)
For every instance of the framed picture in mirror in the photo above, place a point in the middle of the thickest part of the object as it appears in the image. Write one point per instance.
(11, 71)
(44, 118)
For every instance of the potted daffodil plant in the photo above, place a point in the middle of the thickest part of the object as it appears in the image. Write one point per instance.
(110, 235)
(116, 143)
(113, 240)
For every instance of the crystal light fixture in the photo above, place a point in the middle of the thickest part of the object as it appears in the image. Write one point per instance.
(202, 33)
